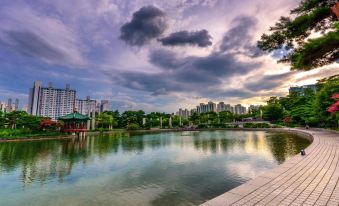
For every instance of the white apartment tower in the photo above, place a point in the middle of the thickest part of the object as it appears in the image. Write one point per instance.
(51, 102)
(85, 106)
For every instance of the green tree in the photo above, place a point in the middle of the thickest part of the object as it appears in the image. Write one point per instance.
(129, 117)
(2, 119)
(195, 118)
(327, 88)
(273, 111)
(105, 120)
(292, 34)
(226, 116)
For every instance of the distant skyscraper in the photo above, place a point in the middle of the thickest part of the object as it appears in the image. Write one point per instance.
(104, 106)
(9, 107)
(185, 113)
(51, 102)
(33, 98)
(209, 107)
(228, 107)
(232, 109)
(221, 107)
(85, 106)
(16, 105)
(239, 109)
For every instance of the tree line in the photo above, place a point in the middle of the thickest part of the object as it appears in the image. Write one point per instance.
(318, 109)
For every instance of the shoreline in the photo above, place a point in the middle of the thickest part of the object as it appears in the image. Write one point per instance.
(305, 173)
(65, 136)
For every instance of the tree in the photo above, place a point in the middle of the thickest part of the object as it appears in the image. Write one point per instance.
(226, 116)
(273, 112)
(292, 35)
(334, 108)
(323, 100)
(14, 117)
(129, 117)
(105, 120)
(2, 119)
(47, 124)
(195, 118)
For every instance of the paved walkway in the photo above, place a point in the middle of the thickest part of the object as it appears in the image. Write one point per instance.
(302, 180)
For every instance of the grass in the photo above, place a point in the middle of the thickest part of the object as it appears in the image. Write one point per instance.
(25, 133)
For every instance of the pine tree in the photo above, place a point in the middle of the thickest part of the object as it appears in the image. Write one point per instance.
(294, 35)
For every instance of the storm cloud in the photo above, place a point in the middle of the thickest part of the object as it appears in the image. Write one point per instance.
(148, 23)
(200, 74)
(239, 39)
(196, 38)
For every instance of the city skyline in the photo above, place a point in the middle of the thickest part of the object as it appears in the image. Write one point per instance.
(198, 52)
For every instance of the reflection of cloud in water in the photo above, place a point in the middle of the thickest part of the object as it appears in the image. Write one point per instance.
(248, 168)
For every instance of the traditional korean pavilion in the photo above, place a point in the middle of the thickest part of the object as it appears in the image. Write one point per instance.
(74, 123)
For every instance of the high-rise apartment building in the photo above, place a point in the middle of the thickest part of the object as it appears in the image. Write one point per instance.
(185, 113)
(51, 102)
(209, 107)
(221, 107)
(104, 106)
(224, 107)
(9, 107)
(239, 109)
(85, 106)
(16, 105)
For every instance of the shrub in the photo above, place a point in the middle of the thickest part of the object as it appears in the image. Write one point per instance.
(133, 126)
(257, 125)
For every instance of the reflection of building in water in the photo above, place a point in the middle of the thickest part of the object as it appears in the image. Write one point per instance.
(45, 165)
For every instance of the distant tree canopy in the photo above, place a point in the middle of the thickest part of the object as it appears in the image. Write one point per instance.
(294, 35)
(313, 108)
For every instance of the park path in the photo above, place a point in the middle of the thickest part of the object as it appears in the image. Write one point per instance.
(302, 180)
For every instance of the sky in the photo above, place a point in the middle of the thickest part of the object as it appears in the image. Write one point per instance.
(146, 54)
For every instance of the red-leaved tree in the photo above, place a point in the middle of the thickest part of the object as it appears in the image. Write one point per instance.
(49, 125)
(334, 107)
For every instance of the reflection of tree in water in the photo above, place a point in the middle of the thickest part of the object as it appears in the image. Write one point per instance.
(39, 160)
(284, 145)
(211, 143)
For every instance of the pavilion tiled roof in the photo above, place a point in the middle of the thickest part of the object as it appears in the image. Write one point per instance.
(75, 116)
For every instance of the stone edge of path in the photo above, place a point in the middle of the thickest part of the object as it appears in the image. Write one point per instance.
(235, 194)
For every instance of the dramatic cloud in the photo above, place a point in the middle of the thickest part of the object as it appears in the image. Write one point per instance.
(191, 74)
(195, 38)
(40, 37)
(239, 38)
(147, 23)
(201, 75)
(30, 44)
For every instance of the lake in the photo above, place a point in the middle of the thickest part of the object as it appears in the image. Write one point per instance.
(168, 168)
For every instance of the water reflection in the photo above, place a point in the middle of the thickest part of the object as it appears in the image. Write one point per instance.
(148, 168)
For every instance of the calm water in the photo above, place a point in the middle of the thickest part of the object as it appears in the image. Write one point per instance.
(175, 168)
